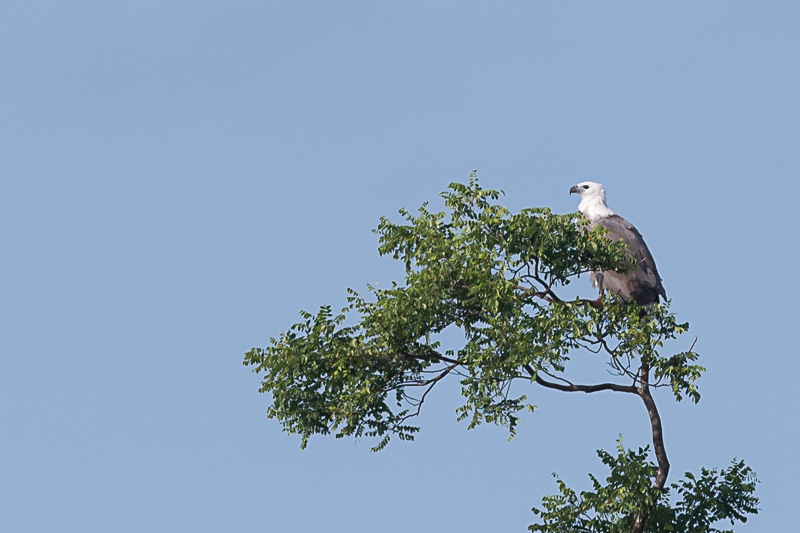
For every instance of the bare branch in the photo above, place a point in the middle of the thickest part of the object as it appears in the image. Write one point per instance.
(587, 388)
(418, 403)
(570, 387)
(546, 295)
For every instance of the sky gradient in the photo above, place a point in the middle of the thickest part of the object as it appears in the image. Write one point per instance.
(179, 179)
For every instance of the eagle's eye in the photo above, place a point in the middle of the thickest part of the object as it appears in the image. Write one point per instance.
(585, 186)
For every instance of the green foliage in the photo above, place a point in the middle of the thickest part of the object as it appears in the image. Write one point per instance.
(715, 496)
(491, 278)
(494, 276)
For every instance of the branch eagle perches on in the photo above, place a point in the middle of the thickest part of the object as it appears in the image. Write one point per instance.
(496, 276)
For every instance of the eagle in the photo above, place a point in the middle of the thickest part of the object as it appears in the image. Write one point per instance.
(642, 284)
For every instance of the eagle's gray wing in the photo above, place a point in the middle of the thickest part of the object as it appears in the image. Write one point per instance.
(642, 284)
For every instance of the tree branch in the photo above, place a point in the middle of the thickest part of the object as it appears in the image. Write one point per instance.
(586, 388)
(429, 383)
(570, 387)
(433, 356)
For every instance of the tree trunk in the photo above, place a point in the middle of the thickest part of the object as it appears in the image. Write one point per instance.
(658, 444)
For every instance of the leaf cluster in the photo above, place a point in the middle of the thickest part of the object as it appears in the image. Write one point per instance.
(700, 503)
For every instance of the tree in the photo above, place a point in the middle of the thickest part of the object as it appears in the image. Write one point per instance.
(496, 276)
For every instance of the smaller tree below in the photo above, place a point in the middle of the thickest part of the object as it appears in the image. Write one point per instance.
(629, 487)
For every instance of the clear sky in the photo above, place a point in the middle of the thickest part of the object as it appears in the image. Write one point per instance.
(178, 179)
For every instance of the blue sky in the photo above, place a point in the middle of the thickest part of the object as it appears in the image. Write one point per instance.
(179, 179)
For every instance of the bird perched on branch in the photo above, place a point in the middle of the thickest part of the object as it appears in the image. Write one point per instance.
(641, 284)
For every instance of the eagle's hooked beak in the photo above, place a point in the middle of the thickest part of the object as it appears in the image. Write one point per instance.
(573, 189)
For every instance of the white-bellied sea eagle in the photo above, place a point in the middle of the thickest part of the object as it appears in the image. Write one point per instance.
(642, 284)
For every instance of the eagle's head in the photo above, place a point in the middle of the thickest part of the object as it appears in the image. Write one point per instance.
(593, 199)
(589, 189)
